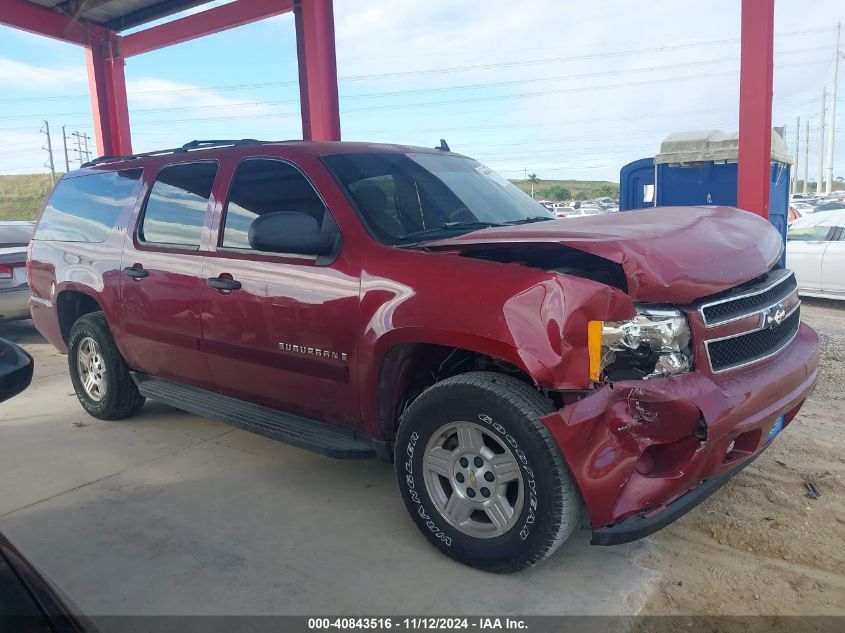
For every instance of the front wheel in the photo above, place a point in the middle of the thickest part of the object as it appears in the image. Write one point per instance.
(99, 374)
(482, 476)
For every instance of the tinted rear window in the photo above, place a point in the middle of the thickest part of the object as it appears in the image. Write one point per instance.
(175, 211)
(85, 208)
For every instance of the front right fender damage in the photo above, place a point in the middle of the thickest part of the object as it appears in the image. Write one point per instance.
(638, 447)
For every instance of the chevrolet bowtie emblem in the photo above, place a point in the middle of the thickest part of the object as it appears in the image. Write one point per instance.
(774, 316)
(472, 479)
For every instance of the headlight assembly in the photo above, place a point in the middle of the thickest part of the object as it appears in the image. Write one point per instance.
(652, 344)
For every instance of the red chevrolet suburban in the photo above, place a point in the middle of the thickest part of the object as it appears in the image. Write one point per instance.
(365, 300)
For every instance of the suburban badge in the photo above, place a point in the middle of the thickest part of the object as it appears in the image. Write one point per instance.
(313, 351)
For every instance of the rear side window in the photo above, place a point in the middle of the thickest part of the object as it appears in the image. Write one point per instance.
(263, 185)
(175, 211)
(85, 208)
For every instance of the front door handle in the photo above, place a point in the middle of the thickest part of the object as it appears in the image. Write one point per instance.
(224, 283)
(136, 272)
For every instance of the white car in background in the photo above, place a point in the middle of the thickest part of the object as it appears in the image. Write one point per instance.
(584, 211)
(561, 210)
(815, 250)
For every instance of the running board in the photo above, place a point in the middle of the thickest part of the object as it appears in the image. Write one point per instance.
(326, 439)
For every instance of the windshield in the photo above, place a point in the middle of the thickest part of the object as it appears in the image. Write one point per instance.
(406, 198)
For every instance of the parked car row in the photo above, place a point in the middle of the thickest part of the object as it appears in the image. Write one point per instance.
(576, 208)
(804, 204)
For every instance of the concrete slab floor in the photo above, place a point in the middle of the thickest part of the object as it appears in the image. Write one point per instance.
(170, 513)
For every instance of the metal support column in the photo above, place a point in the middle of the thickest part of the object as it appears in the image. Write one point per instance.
(107, 85)
(315, 49)
(755, 106)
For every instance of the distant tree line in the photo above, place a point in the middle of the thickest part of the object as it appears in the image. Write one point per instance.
(811, 184)
(556, 192)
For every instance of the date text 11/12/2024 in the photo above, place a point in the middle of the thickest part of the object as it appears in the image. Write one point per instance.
(417, 623)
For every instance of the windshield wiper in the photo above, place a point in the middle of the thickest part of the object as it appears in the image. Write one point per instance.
(539, 218)
(448, 227)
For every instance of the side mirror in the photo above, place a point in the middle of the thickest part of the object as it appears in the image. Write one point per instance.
(290, 232)
(15, 369)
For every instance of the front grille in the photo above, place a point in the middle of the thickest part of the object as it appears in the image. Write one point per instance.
(745, 349)
(729, 309)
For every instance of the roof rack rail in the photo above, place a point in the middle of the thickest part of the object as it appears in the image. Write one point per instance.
(243, 141)
(193, 145)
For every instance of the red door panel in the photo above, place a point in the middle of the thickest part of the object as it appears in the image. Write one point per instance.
(286, 338)
(161, 274)
(161, 315)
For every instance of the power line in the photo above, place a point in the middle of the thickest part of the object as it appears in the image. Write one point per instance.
(449, 70)
(421, 104)
(605, 86)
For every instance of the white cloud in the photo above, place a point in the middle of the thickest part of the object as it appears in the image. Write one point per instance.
(19, 75)
(152, 93)
(560, 118)
(561, 125)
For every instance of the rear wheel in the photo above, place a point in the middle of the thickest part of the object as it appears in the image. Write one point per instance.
(482, 476)
(98, 372)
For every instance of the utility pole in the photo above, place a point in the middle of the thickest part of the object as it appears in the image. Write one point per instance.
(830, 132)
(806, 154)
(78, 146)
(797, 152)
(64, 145)
(85, 138)
(820, 181)
(49, 148)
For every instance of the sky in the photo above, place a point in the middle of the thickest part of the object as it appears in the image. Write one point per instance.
(539, 86)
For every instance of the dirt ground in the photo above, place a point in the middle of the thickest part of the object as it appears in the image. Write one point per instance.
(761, 545)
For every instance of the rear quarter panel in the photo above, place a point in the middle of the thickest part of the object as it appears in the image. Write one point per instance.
(91, 268)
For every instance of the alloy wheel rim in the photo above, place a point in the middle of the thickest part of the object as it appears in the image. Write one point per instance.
(91, 367)
(473, 479)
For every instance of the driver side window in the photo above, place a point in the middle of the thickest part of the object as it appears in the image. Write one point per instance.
(266, 185)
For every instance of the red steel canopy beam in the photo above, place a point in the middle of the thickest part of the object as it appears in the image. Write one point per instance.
(755, 106)
(107, 84)
(315, 47)
(41, 21)
(106, 51)
(200, 24)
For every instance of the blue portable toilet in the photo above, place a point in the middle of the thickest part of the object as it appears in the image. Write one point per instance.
(699, 168)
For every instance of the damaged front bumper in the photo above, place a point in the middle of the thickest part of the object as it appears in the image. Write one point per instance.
(646, 452)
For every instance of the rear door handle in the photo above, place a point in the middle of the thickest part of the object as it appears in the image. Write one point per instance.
(136, 272)
(223, 283)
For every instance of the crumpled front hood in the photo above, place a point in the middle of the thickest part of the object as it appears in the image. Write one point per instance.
(668, 254)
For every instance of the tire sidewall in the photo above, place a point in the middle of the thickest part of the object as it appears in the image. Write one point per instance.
(537, 519)
(82, 329)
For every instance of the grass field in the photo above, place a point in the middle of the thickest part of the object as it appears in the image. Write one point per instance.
(590, 188)
(21, 196)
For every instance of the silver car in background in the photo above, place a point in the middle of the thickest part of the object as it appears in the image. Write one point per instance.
(14, 289)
